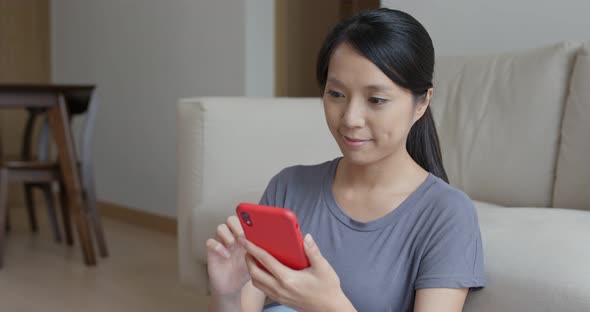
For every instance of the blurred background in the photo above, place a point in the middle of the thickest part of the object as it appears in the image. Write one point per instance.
(144, 55)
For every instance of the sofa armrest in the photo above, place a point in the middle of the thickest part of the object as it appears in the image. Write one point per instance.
(228, 149)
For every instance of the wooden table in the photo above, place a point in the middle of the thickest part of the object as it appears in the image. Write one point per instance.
(48, 97)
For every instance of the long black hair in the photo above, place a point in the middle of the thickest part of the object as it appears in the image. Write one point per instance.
(402, 48)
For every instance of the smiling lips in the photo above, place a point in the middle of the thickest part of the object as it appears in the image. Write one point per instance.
(354, 142)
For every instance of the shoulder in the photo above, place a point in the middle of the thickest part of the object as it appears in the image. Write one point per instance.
(302, 173)
(293, 183)
(450, 205)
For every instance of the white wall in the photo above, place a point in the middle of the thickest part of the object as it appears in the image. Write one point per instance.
(260, 76)
(144, 55)
(482, 26)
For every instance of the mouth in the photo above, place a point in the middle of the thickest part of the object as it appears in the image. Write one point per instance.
(354, 142)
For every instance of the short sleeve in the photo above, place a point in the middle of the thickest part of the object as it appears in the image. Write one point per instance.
(453, 255)
(274, 194)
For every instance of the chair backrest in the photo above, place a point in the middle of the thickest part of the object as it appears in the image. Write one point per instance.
(78, 105)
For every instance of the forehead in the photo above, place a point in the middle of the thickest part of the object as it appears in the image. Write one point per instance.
(350, 67)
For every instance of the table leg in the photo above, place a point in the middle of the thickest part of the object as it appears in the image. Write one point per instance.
(60, 126)
(3, 210)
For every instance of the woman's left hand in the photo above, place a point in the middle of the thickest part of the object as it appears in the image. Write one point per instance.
(316, 288)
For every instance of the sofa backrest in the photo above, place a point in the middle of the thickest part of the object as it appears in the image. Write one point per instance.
(499, 119)
(572, 181)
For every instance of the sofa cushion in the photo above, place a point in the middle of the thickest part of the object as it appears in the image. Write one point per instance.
(535, 260)
(498, 118)
(572, 181)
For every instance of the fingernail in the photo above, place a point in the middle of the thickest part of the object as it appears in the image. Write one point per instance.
(308, 240)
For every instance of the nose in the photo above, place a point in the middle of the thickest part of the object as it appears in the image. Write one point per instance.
(354, 115)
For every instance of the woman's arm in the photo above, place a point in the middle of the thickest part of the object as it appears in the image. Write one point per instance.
(250, 299)
(440, 299)
(231, 288)
(218, 304)
(316, 288)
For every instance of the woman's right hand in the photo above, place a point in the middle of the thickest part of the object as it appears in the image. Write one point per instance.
(226, 263)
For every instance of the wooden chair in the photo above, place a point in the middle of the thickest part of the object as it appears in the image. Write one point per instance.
(42, 173)
(22, 171)
(46, 187)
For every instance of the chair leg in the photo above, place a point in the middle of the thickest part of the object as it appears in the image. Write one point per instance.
(90, 197)
(46, 188)
(65, 212)
(26, 155)
(7, 225)
(29, 201)
(28, 134)
(3, 209)
(96, 221)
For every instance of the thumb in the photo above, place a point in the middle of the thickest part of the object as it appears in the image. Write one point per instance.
(313, 252)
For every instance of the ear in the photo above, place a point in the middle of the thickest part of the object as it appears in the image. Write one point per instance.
(421, 107)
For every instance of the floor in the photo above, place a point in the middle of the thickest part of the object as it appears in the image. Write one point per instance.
(140, 275)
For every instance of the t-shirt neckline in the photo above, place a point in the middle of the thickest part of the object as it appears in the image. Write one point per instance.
(388, 219)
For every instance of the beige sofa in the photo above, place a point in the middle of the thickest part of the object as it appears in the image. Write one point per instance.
(515, 134)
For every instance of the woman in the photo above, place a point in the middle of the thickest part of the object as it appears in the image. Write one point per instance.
(385, 231)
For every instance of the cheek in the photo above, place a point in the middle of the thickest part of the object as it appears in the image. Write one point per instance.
(332, 116)
(393, 127)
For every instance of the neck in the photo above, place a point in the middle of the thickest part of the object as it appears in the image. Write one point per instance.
(397, 171)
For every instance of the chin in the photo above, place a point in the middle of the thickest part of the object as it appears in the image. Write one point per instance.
(364, 157)
(359, 158)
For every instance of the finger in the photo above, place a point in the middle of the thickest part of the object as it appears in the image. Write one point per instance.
(313, 252)
(235, 226)
(224, 235)
(273, 265)
(260, 278)
(217, 248)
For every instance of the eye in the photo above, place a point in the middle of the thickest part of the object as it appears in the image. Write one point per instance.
(334, 94)
(376, 100)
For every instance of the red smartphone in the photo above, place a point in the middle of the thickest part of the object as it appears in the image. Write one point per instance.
(275, 230)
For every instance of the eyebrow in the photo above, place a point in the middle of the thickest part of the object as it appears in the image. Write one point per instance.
(376, 87)
(379, 87)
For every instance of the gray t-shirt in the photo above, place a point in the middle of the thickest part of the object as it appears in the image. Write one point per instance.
(432, 240)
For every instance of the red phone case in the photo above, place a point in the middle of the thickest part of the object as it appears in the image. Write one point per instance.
(275, 230)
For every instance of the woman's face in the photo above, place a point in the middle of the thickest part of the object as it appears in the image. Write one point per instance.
(368, 114)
